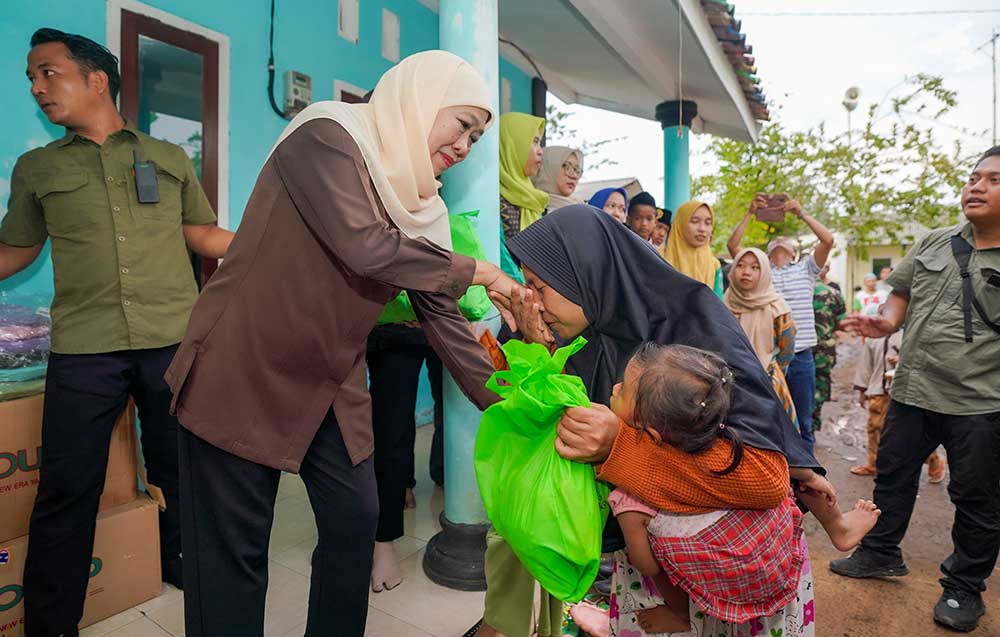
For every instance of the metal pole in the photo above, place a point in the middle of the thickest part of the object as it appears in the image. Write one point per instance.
(996, 34)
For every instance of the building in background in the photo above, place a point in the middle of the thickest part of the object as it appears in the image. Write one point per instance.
(196, 73)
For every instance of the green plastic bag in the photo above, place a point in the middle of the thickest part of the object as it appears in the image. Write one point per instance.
(550, 510)
(475, 303)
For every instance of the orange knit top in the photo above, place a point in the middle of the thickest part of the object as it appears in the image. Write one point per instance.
(669, 479)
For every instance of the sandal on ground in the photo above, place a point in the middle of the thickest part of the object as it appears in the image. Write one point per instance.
(379, 588)
(863, 470)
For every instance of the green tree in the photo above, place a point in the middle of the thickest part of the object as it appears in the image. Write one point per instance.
(888, 178)
(559, 131)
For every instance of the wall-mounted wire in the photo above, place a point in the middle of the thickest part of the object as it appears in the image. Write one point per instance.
(270, 69)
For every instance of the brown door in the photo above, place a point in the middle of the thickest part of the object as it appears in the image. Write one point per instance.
(170, 90)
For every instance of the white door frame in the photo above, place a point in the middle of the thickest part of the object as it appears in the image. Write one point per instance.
(114, 40)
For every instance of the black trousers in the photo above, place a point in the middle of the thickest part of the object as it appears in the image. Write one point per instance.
(395, 357)
(84, 395)
(227, 512)
(973, 445)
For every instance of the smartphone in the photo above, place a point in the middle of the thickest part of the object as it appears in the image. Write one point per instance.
(774, 209)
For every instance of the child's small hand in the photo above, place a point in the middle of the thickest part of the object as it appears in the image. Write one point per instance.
(818, 485)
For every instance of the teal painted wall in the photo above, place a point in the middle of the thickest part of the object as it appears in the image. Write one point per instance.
(305, 39)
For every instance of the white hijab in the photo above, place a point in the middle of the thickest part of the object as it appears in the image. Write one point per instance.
(392, 131)
(553, 157)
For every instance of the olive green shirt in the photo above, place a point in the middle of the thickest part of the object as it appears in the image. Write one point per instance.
(123, 278)
(938, 370)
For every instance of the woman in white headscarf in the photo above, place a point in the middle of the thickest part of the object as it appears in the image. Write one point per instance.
(270, 376)
(559, 175)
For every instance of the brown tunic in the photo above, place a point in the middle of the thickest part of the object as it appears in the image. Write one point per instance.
(278, 335)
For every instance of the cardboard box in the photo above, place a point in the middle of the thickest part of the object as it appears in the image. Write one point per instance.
(124, 572)
(20, 454)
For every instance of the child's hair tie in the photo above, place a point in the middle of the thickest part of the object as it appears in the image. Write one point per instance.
(722, 425)
(702, 403)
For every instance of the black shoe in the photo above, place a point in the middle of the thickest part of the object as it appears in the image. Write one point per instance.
(959, 609)
(606, 569)
(173, 572)
(603, 586)
(864, 564)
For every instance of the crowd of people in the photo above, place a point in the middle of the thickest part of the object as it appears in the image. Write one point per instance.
(706, 378)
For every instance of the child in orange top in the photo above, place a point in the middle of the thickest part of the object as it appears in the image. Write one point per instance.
(706, 572)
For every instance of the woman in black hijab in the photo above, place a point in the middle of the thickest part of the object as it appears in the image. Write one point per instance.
(627, 295)
(592, 276)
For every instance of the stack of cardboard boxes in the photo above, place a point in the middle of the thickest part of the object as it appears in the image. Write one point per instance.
(125, 568)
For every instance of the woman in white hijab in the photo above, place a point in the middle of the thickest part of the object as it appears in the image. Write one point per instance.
(559, 175)
(270, 376)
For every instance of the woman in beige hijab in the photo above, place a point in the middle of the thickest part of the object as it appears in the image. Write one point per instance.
(559, 175)
(270, 376)
(765, 317)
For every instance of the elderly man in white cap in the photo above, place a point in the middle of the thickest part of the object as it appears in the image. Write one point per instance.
(795, 281)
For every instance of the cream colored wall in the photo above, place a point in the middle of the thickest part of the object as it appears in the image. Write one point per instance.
(858, 266)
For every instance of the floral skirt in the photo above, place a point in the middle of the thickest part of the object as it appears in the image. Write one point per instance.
(632, 592)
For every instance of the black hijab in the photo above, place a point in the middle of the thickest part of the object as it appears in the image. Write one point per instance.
(630, 295)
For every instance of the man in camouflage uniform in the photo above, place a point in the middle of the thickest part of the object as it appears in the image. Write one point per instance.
(830, 309)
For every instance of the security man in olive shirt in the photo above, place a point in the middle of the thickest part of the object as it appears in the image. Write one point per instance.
(121, 209)
(945, 391)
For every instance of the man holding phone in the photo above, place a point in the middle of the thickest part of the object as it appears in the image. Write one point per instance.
(121, 209)
(795, 282)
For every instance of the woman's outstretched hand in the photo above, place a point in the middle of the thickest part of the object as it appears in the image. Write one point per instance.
(499, 287)
(587, 434)
(522, 312)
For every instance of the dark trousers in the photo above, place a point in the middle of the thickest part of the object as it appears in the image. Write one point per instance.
(227, 512)
(435, 375)
(84, 396)
(802, 385)
(395, 358)
(910, 434)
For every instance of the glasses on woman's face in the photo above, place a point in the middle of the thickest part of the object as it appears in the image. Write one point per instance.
(572, 170)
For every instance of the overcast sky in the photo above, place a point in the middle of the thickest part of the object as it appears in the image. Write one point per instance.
(806, 64)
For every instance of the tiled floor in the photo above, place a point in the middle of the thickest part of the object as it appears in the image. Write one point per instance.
(417, 608)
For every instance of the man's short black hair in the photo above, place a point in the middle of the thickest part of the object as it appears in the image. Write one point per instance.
(89, 55)
(993, 152)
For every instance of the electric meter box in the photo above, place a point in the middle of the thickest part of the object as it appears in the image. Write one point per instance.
(298, 92)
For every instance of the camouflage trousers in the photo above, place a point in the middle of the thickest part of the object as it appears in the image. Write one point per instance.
(826, 358)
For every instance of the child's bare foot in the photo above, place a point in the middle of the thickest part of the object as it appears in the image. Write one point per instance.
(845, 529)
(591, 619)
(863, 470)
(385, 568)
(411, 500)
(662, 619)
(854, 525)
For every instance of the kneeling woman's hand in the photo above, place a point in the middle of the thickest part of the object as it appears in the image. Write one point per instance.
(587, 434)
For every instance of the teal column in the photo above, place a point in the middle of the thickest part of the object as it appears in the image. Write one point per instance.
(675, 118)
(454, 557)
